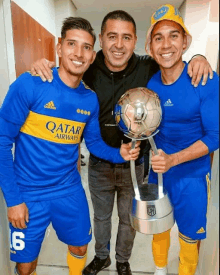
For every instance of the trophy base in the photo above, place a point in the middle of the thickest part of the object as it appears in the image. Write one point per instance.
(153, 226)
(151, 214)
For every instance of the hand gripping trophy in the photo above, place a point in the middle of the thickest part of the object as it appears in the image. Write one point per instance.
(138, 114)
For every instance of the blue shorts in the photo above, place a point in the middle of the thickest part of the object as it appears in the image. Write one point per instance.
(69, 217)
(190, 198)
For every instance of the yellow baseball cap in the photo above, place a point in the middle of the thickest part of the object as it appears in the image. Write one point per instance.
(166, 12)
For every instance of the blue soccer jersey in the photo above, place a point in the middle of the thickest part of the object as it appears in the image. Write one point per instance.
(189, 114)
(46, 122)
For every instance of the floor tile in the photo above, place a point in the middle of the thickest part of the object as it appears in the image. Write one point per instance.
(52, 270)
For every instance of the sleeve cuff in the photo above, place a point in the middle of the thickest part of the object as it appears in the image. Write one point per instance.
(211, 144)
(13, 201)
(120, 158)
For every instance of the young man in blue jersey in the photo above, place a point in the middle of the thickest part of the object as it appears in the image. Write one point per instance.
(189, 132)
(46, 121)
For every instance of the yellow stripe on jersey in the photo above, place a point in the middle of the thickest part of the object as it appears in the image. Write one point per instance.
(208, 181)
(53, 129)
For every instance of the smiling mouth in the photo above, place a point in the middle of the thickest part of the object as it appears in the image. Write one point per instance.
(77, 63)
(167, 55)
(118, 54)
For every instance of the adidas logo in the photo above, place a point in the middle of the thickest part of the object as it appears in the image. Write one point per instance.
(50, 105)
(201, 230)
(168, 103)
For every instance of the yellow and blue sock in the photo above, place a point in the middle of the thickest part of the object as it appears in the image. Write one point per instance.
(189, 255)
(76, 263)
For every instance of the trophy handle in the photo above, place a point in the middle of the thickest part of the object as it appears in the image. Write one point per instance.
(133, 173)
(160, 176)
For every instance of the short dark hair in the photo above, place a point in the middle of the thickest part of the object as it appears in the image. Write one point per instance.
(118, 15)
(78, 23)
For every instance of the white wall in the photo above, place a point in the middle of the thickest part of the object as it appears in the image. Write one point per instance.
(198, 19)
(4, 83)
(63, 9)
(43, 11)
(4, 77)
(202, 20)
(209, 251)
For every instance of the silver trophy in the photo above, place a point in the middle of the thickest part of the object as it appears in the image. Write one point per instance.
(138, 114)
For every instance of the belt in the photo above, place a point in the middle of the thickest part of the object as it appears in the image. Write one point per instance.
(124, 165)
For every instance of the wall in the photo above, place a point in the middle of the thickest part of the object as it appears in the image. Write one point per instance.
(43, 11)
(63, 9)
(4, 80)
(3, 58)
(202, 21)
(31, 40)
(212, 47)
(209, 250)
(49, 13)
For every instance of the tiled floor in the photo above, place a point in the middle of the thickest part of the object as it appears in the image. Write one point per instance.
(52, 260)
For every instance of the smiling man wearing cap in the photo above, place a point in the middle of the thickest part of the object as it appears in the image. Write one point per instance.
(188, 134)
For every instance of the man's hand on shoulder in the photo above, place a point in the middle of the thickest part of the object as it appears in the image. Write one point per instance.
(199, 68)
(43, 67)
(18, 216)
(130, 154)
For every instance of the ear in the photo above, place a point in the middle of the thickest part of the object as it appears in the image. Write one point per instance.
(100, 40)
(184, 42)
(150, 53)
(58, 48)
(135, 39)
(93, 57)
(146, 48)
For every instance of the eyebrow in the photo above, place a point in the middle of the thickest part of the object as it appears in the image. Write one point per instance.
(85, 43)
(115, 33)
(159, 33)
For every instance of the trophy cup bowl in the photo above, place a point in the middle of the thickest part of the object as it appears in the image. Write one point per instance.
(138, 114)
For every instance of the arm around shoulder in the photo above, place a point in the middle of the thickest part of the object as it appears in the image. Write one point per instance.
(209, 96)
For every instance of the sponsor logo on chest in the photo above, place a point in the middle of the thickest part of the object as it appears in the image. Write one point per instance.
(52, 128)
